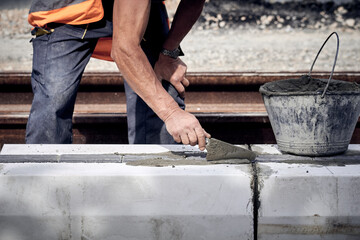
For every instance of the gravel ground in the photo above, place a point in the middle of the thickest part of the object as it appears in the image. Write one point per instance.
(233, 36)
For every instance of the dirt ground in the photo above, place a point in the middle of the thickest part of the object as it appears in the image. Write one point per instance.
(233, 36)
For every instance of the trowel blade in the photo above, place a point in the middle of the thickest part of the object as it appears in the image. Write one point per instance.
(219, 150)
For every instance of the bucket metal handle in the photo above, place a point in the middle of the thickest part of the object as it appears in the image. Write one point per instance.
(336, 55)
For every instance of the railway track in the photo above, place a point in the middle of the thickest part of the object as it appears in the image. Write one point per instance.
(227, 104)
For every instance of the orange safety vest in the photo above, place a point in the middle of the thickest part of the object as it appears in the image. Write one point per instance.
(73, 12)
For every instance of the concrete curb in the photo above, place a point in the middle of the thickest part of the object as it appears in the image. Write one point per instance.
(92, 192)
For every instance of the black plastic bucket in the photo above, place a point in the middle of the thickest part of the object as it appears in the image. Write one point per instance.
(312, 117)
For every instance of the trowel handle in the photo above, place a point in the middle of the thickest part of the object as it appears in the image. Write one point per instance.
(336, 55)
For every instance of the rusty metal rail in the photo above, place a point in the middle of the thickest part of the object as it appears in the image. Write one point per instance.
(196, 78)
(227, 104)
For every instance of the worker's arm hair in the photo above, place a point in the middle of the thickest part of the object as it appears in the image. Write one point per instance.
(130, 19)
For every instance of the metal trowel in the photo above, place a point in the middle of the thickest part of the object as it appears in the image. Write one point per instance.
(218, 151)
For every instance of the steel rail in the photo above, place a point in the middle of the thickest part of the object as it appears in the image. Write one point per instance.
(227, 104)
(196, 78)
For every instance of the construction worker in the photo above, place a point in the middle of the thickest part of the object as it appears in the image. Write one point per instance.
(135, 34)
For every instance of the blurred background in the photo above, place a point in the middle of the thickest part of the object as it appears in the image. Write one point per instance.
(231, 35)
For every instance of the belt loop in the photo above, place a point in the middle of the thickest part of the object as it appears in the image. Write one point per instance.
(85, 31)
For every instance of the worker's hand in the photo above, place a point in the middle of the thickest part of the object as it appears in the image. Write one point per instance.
(186, 129)
(172, 70)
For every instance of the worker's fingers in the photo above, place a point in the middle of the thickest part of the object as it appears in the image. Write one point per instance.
(200, 133)
(193, 138)
(179, 81)
(184, 126)
(177, 138)
(185, 139)
(180, 89)
(185, 82)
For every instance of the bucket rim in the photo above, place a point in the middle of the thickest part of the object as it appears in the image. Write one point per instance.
(319, 93)
(266, 92)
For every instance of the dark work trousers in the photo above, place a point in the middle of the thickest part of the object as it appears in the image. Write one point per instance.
(59, 61)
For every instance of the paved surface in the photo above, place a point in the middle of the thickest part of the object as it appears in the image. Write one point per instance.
(230, 50)
(233, 36)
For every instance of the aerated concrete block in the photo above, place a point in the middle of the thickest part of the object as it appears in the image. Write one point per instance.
(309, 201)
(62, 149)
(118, 201)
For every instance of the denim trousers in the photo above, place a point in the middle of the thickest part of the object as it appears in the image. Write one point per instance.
(59, 60)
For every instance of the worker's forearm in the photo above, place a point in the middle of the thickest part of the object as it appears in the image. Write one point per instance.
(130, 20)
(139, 74)
(129, 24)
(186, 15)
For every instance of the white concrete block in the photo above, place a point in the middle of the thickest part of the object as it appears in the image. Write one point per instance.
(117, 201)
(303, 201)
(60, 149)
(354, 147)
